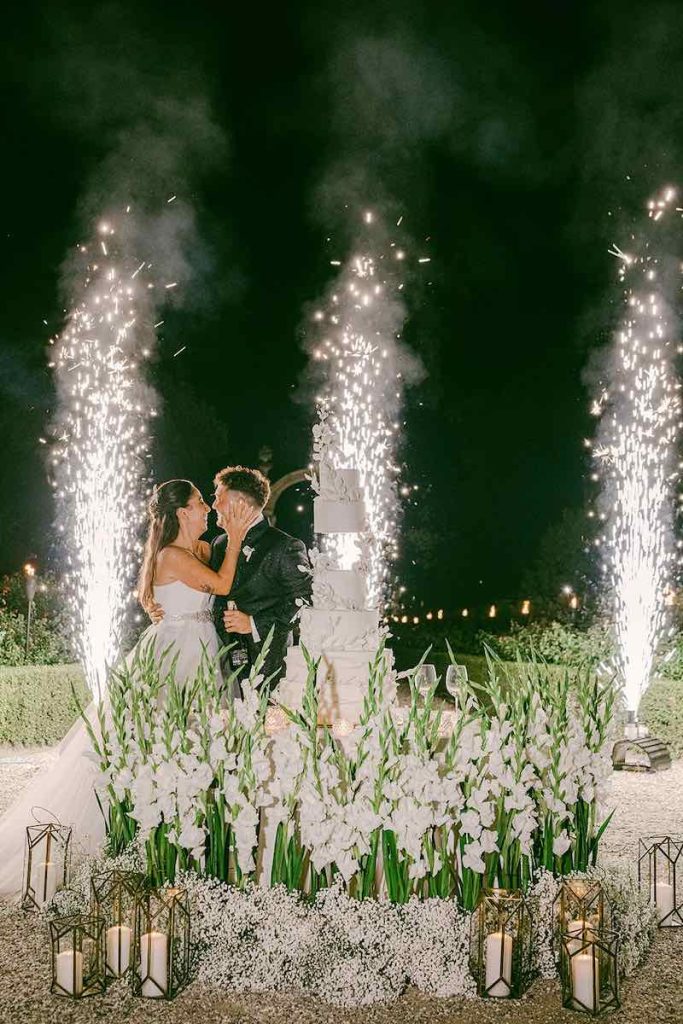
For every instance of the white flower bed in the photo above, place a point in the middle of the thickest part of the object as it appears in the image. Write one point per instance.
(353, 952)
(412, 822)
(516, 784)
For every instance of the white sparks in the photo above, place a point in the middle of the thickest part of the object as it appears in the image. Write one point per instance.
(361, 324)
(637, 450)
(101, 437)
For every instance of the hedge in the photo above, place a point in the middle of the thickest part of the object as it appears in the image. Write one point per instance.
(37, 706)
(661, 710)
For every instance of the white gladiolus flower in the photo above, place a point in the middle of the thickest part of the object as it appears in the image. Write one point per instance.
(561, 844)
(472, 858)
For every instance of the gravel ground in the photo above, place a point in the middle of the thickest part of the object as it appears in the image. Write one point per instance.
(645, 805)
(17, 768)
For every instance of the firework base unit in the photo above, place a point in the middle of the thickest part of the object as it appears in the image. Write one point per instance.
(645, 754)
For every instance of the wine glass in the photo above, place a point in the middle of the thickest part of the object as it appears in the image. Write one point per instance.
(425, 678)
(456, 677)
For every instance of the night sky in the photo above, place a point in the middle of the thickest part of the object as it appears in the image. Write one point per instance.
(518, 141)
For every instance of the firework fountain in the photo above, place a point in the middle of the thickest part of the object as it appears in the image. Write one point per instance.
(99, 456)
(636, 451)
(365, 369)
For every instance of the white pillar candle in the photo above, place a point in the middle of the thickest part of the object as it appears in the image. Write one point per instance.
(153, 965)
(69, 971)
(664, 898)
(118, 949)
(45, 881)
(583, 971)
(498, 964)
(578, 929)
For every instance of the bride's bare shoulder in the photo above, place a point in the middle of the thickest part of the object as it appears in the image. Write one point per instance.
(172, 555)
(165, 567)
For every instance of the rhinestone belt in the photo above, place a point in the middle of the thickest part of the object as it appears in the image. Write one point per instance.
(204, 616)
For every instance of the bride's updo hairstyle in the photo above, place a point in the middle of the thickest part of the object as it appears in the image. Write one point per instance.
(162, 530)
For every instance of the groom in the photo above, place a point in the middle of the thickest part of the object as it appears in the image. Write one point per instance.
(267, 581)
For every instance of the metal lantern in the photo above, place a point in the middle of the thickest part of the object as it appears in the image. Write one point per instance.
(113, 901)
(590, 971)
(47, 860)
(161, 949)
(580, 905)
(501, 943)
(77, 956)
(660, 870)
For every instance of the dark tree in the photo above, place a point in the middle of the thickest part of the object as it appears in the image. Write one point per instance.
(565, 558)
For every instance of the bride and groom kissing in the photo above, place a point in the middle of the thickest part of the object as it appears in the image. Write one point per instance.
(238, 590)
(235, 591)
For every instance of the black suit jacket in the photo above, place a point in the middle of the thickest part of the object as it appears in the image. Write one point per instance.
(266, 586)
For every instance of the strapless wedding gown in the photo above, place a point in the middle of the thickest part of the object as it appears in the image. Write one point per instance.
(65, 787)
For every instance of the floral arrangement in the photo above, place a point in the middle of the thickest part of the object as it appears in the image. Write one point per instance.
(353, 952)
(412, 803)
(182, 770)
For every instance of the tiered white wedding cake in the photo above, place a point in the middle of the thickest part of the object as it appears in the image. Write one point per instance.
(339, 628)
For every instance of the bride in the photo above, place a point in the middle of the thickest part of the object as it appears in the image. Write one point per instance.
(176, 576)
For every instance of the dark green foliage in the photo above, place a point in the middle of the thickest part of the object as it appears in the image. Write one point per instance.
(661, 710)
(554, 643)
(37, 705)
(48, 641)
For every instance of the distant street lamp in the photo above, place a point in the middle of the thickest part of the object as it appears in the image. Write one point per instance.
(30, 580)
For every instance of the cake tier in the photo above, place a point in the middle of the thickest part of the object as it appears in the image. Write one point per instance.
(339, 588)
(339, 484)
(342, 683)
(334, 516)
(339, 630)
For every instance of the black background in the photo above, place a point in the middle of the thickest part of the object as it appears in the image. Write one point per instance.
(521, 139)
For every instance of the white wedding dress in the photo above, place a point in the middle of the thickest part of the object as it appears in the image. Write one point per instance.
(65, 787)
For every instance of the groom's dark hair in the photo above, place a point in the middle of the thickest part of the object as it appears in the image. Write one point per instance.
(247, 481)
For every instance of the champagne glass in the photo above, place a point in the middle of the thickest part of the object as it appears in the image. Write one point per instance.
(426, 679)
(456, 677)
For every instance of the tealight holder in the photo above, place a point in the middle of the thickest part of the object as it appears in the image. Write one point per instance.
(580, 905)
(660, 871)
(113, 902)
(77, 945)
(47, 861)
(500, 946)
(589, 970)
(161, 943)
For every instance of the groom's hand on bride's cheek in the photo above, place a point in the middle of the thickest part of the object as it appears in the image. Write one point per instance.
(237, 622)
(155, 612)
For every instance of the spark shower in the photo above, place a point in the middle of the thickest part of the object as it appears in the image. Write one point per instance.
(358, 344)
(636, 449)
(99, 456)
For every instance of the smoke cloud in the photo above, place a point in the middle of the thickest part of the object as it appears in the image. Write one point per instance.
(148, 128)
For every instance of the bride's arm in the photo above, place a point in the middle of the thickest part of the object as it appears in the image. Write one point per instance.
(189, 569)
